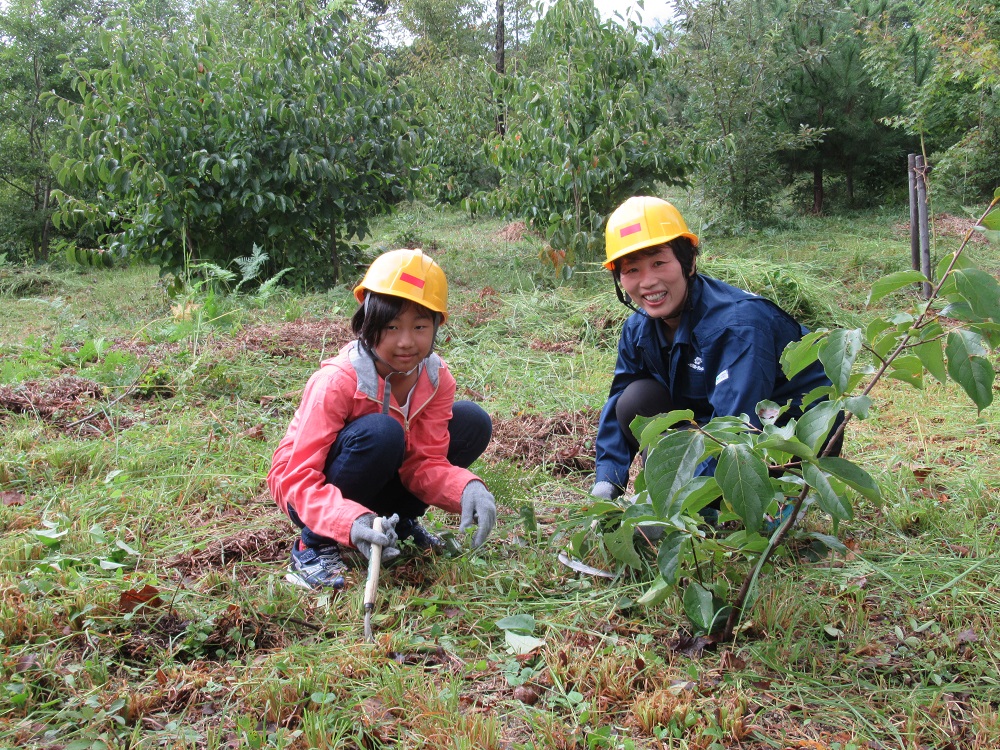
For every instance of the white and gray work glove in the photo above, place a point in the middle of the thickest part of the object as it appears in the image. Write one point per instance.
(478, 508)
(363, 536)
(605, 491)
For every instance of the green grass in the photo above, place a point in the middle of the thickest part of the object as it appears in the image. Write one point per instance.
(158, 481)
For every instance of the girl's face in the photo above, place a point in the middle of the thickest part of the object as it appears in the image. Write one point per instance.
(655, 281)
(406, 341)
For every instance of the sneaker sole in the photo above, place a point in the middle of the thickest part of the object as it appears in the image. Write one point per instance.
(298, 582)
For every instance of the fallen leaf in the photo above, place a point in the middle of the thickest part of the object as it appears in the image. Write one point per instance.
(960, 550)
(526, 695)
(967, 636)
(131, 600)
(731, 661)
(12, 498)
(254, 433)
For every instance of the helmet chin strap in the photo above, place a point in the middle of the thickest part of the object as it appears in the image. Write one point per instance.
(627, 301)
(392, 370)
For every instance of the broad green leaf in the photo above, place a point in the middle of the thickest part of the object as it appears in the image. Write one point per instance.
(621, 546)
(668, 559)
(853, 475)
(671, 464)
(838, 354)
(892, 282)
(699, 606)
(705, 611)
(649, 429)
(523, 623)
(813, 427)
(981, 291)
(696, 494)
(969, 367)
(836, 506)
(742, 475)
(831, 542)
(656, 594)
(992, 219)
(931, 356)
(909, 369)
(798, 355)
(858, 405)
(793, 446)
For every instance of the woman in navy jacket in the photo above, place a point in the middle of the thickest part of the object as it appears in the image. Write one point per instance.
(694, 342)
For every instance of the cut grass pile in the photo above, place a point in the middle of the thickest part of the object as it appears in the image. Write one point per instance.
(141, 560)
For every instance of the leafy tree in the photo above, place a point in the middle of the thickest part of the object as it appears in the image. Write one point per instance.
(732, 62)
(831, 90)
(943, 59)
(33, 33)
(199, 148)
(583, 130)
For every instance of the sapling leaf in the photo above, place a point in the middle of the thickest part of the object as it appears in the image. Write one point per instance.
(836, 506)
(981, 291)
(798, 355)
(909, 369)
(892, 282)
(671, 464)
(668, 558)
(742, 475)
(813, 427)
(698, 606)
(858, 405)
(695, 495)
(656, 594)
(793, 445)
(931, 356)
(620, 545)
(831, 542)
(521, 623)
(838, 353)
(649, 429)
(853, 475)
(969, 367)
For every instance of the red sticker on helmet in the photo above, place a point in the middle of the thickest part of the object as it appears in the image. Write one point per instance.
(630, 229)
(418, 283)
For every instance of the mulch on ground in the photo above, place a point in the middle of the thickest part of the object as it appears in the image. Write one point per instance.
(560, 444)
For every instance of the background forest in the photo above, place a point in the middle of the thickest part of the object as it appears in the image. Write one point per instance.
(165, 130)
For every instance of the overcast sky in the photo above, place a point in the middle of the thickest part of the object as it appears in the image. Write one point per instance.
(655, 10)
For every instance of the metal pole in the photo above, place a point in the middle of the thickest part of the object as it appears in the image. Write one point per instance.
(925, 244)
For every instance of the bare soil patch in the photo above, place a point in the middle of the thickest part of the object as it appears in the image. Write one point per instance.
(300, 338)
(948, 225)
(560, 444)
(513, 231)
(255, 545)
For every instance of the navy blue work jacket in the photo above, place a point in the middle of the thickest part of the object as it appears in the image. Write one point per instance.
(723, 360)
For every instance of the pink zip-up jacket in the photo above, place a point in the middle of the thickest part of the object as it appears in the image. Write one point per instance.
(345, 388)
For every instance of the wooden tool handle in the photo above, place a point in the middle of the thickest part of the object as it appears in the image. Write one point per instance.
(374, 565)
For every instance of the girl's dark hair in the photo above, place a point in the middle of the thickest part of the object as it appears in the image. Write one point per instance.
(684, 250)
(378, 311)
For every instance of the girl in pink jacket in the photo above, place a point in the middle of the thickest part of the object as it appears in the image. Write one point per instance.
(379, 433)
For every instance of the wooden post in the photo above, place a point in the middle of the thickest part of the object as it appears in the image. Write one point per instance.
(911, 175)
(925, 245)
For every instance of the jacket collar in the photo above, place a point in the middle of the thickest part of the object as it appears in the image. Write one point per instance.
(368, 377)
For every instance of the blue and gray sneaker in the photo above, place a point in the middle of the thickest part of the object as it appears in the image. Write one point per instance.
(316, 567)
(410, 528)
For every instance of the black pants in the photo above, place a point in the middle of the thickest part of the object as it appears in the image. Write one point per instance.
(365, 458)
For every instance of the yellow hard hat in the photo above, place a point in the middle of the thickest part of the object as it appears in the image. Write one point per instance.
(642, 222)
(408, 274)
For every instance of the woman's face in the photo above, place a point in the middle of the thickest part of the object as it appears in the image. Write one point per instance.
(406, 341)
(655, 281)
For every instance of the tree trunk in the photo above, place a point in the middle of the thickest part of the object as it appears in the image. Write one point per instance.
(501, 64)
(818, 188)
